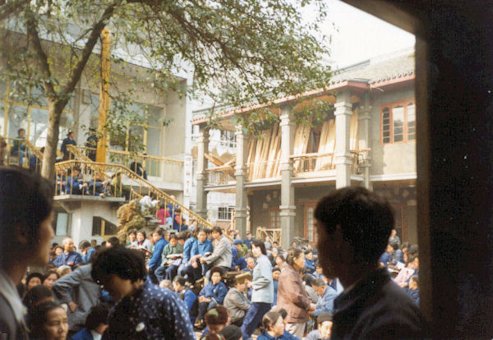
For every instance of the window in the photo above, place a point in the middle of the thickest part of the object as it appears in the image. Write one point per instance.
(101, 227)
(398, 123)
(275, 218)
(225, 213)
(62, 224)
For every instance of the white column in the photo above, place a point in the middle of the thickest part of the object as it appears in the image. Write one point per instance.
(365, 141)
(343, 159)
(287, 208)
(241, 176)
(202, 148)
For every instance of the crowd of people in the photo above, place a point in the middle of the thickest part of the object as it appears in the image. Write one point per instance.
(207, 283)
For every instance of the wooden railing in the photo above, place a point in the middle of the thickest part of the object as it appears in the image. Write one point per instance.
(97, 176)
(219, 176)
(314, 162)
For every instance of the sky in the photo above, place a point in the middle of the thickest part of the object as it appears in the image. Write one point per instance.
(358, 36)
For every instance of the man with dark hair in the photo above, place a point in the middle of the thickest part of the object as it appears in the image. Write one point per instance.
(142, 310)
(86, 250)
(354, 226)
(96, 324)
(70, 140)
(113, 241)
(25, 238)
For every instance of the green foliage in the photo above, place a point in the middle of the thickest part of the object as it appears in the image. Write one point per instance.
(257, 121)
(240, 52)
(314, 113)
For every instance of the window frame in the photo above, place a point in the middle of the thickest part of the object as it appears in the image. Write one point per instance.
(405, 128)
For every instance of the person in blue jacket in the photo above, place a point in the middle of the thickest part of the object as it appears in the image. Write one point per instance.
(273, 328)
(211, 295)
(238, 262)
(309, 262)
(159, 244)
(187, 251)
(194, 270)
(96, 324)
(187, 295)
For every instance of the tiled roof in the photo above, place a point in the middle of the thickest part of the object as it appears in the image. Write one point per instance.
(375, 71)
(378, 70)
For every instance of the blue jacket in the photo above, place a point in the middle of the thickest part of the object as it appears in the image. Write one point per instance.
(309, 266)
(201, 248)
(65, 259)
(285, 336)
(187, 249)
(83, 334)
(217, 292)
(326, 303)
(413, 294)
(276, 287)
(87, 257)
(155, 260)
(385, 258)
(189, 297)
(237, 259)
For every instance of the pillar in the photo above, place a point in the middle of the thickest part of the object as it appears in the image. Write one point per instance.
(202, 148)
(364, 122)
(241, 176)
(287, 208)
(343, 158)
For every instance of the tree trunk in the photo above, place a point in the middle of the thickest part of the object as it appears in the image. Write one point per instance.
(55, 109)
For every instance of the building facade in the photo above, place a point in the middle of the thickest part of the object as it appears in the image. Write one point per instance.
(366, 138)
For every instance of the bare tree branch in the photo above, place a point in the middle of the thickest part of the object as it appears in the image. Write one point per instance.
(44, 66)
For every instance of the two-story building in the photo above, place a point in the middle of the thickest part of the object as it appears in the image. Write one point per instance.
(367, 139)
(160, 133)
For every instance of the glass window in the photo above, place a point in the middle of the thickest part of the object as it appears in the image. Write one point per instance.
(275, 219)
(39, 127)
(225, 213)
(398, 121)
(17, 120)
(154, 115)
(386, 125)
(61, 227)
(153, 141)
(135, 138)
(411, 122)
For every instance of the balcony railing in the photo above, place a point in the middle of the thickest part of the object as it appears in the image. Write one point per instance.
(313, 163)
(316, 162)
(170, 170)
(217, 177)
(112, 180)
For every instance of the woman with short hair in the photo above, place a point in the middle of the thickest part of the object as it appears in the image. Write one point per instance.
(291, 294)
(262, 290)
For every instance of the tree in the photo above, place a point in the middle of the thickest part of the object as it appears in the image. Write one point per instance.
(240, 51)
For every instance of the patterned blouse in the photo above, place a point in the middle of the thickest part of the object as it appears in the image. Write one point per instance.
(151, 313)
